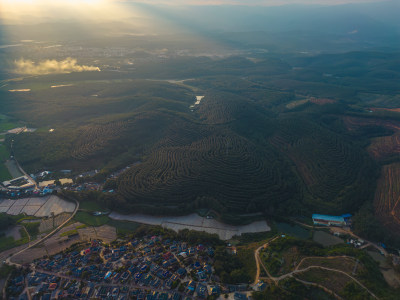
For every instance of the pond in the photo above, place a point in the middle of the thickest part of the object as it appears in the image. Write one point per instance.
(293, 230)
(326, 239)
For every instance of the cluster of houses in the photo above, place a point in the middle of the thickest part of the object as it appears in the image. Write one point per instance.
(86, 186)
(150, 268)
(22, 193)
(26, 186)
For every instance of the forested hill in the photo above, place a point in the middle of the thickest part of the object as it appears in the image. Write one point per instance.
(278, 135)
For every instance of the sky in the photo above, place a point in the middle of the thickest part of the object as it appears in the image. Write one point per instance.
(112, 8)
(250, 2)
(42, 11)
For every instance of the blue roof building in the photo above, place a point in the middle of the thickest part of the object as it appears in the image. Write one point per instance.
(331, 220)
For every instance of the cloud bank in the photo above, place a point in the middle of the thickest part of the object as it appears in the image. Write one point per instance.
(69, 65)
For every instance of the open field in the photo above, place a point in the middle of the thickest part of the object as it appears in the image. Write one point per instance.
(51, 246)
(8, 241)
(123, 227)
(48, 224)
(39, 207)
(4, 173)
(13, 232)
(60, 242)
(91, 206)
(89, 219)
(105, 233)
(195, 222)
(13, 169)
(4, 153)
(5, 126)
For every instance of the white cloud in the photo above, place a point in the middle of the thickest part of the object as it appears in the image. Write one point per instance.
(68, 65)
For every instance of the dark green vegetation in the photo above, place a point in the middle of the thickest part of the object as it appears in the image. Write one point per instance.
(277, 134)
(91, 206)
(32, 228)
(89, 219)
(6, 221)
(4, 155)
(5, 270)
(290, 289)
(191, 236)
(230, 268)
(9, 242)
(124, 228)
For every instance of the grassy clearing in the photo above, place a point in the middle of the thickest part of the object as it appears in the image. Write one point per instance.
(69, 232)
(91, 206)
(4, 173)
(88, 219)
(32, 228)
(124, 228)
(73, 231)
(7, 126)
(9, 242)
(296, 103)
(4, 153)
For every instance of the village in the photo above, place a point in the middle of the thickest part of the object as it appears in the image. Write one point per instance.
(147, 268)
(45, 183)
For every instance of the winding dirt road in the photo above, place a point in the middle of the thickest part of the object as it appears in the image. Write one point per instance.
(297, 271)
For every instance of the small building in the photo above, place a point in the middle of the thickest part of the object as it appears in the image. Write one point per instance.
(260, 286)
(213, 290)
(20, 183)
(327, 220)
(231, 250)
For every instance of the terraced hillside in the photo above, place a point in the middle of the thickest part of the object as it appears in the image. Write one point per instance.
(273, 134)
(387, 196)
(220, 108)
(226, 170)
(385, 135)
(386, 146)
(332, 169)
(94, 146)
